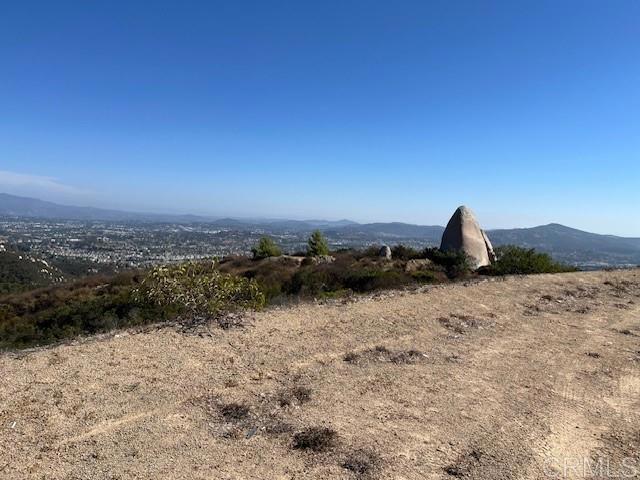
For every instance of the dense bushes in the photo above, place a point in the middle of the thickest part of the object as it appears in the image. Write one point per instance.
(92, 305)
(21, 271)
(18, 273)
(198, 289)
(402, 252)
(456, 263)
(351, 272)
(202, 290)
(517, 260)
(100, 304)
(271, 274)
(369, 280)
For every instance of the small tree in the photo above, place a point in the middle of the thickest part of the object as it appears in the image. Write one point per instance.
(266, 248)
(317, 245)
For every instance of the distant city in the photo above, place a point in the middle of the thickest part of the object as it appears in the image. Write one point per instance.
(128, 240)
(141, 244)
(128, 244)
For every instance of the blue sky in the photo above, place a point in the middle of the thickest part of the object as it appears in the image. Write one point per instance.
(529, 112)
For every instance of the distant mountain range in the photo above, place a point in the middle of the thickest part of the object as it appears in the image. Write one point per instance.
(15, 206)
(564, 243)
(572, 245)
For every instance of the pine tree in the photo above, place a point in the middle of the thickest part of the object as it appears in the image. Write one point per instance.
(317, 245)
(266, 248)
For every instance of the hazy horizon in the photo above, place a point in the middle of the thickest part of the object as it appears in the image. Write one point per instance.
(369, 112)
(258, 218)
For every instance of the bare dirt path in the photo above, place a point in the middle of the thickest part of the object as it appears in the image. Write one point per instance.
(528, 378)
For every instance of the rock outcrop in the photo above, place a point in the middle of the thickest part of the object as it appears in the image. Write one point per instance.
(487, 242)
(464, 233)
(385, 252)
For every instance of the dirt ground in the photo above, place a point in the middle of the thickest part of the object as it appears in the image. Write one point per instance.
(533, 377)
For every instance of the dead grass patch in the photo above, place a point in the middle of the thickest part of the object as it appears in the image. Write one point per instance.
(465, 464)
(317, 439)
(361, 462)
(296, 395)
(234, 412)
(276, 427)
(626, 331)
(579, 299)
(381, 354)
(462, 324)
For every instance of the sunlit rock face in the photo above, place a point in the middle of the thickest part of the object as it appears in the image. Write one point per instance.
(463, 233)
(385, 252)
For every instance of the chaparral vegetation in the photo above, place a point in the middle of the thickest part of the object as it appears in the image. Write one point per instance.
(205, 290)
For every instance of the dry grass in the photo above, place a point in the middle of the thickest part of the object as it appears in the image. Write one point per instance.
(403, 394)
(362, 462)
(317, 439)
(294, 395)
(234, 412)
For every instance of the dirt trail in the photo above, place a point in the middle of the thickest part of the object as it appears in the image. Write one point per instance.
(528, 378)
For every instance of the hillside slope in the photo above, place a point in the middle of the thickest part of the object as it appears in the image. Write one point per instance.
(500, 379)
(22, 271)
(571, 245)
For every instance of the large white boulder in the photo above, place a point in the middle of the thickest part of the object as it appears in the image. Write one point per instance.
(464, 233)
(385, 252)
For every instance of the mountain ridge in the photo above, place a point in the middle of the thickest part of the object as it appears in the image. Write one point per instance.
(564, 243)
(28, 207)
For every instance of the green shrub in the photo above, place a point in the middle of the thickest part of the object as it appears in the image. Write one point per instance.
(309, 281)
(372, 251)
(424, 276)
(103, 303)
(199, 289)
(18, 273)
(266, 248)
(513, 260)
(368, 280)
(402, 252)
(272, 277)
(317, 245)
(456, 263)
(92, 305)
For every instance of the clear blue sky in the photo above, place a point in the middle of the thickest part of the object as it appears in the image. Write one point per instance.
(527, 111)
